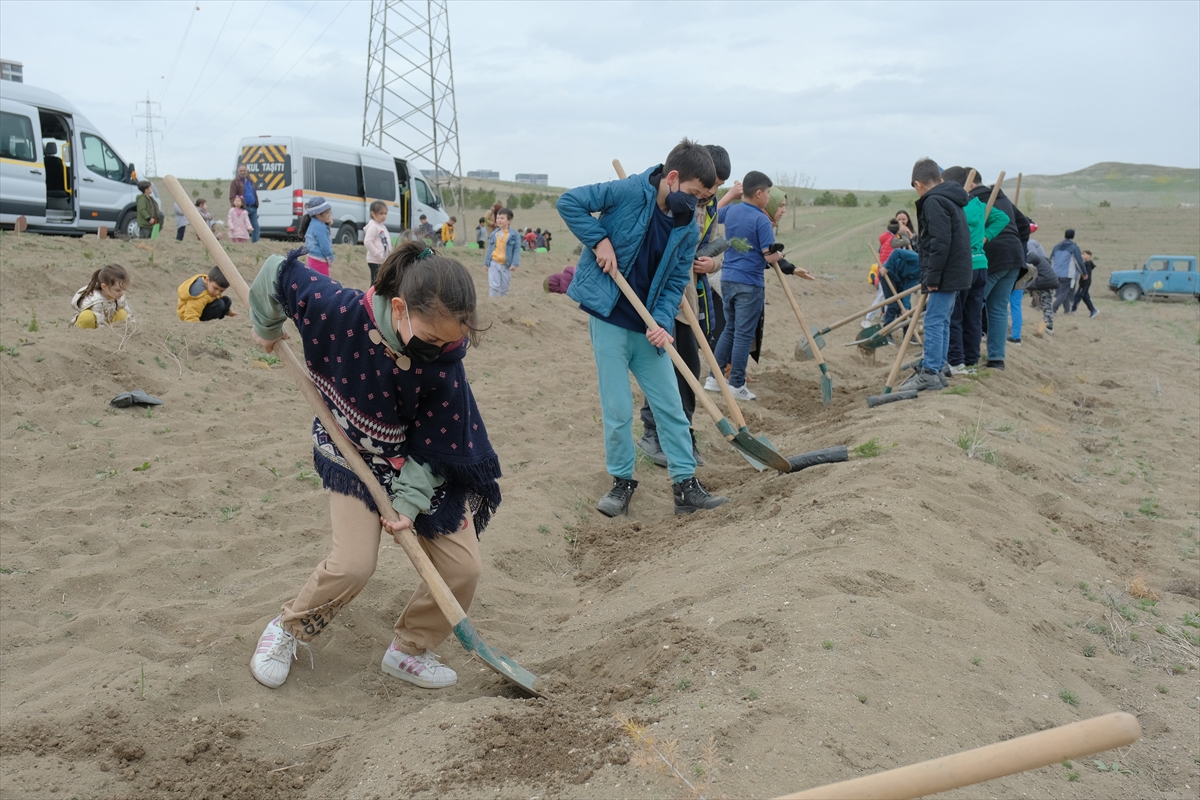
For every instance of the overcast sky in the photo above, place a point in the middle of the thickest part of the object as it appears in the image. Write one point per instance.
(847, 93)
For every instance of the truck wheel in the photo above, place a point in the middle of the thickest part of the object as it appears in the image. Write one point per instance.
(129, 225)
(1130, 292)
(347, 234)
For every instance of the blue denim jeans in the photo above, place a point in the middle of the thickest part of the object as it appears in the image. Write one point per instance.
(619, 352)
(998, 292)
(1014, 310)
(743, 305)
(938, 308)
(252, 212)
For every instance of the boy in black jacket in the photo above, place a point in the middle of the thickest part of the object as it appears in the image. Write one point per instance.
(945, 250)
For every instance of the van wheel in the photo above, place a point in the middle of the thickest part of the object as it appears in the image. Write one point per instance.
(347, 234)
(129, 225)
(1130, 292)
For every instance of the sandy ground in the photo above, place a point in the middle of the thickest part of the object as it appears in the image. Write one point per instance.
(822, 625)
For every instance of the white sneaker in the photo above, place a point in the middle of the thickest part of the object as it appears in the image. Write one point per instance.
(742, 393)
(424, 670)
(711, 385)
(961, 369)
(272, 659)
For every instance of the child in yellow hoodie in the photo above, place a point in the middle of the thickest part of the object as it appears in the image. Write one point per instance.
(200, 297)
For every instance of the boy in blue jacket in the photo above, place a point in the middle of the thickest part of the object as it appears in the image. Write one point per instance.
(647, 230)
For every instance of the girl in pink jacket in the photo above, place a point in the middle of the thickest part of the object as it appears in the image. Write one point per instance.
(376, 238)
(239, 222)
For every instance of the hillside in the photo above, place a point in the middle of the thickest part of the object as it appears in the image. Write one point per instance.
(1019, 554)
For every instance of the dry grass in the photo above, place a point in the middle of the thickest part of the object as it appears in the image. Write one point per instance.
(1138, 589)
(664, 757)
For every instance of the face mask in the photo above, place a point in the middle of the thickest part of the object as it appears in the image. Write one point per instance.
(681, 202)
(417, 348)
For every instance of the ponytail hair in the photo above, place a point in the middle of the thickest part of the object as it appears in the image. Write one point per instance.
(109, 275)
(431, 283)
(303, 229)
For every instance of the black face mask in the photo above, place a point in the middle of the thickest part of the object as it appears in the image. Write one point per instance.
(681, 203)
(417, 348)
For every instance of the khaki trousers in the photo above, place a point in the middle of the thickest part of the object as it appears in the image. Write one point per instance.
(342, 575)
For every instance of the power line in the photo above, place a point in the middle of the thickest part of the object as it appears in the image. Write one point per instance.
(178, 53)
(200, 72)
(254, 106)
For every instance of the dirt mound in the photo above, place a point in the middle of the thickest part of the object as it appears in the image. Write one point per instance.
(1018, 554)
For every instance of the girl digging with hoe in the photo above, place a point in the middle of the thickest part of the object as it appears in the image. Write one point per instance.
(388, 362)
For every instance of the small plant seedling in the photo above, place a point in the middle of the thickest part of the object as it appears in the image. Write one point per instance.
(653, 700)
(160, 431)
(25, 425)
(862, 698)
(1162, 689)
(1068, 697)
(543, 528)
(111, 472)
(752, 695)
(162, 364)
(1073, 776)
(229, 512)
(961, 390)
(145, 524)
(95, 423)
(827, 644)
(270, 359)
(1089, 651)
(683, 684)
(868, 449)
(310, 476)
(145, 466)
(275, 471)
(686, 658)
(33, 325)
(977, 661)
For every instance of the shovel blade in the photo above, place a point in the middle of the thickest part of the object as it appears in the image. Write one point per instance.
(826, 390)
(804, 351)
(504, 666)
(759, 450)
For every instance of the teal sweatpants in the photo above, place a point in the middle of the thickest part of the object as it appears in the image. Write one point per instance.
(619, 352)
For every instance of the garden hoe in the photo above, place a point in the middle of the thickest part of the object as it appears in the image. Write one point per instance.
(463, 629)
(857, 315)
(1053, 746)
(826, 381)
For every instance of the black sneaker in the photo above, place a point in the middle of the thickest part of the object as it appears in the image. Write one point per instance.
(995, 364)
(648, 444)
(1017, 342)
(923, 380)
(616, 502)
(691, 496)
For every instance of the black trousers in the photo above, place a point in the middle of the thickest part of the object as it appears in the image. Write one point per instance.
(689, 350)
(217, 309)
(179, 232)
(1083, 294)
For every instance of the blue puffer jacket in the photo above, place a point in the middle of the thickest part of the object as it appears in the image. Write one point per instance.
(625, 207)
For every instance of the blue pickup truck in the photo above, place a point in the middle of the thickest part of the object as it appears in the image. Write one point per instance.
(1162, 275)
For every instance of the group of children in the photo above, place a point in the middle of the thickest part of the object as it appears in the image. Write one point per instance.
(974, 264)
(102, 302)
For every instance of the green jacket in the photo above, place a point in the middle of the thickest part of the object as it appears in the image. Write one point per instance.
(996, 222)
(147, 209)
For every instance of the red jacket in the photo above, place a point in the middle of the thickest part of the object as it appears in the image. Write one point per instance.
(885, 246)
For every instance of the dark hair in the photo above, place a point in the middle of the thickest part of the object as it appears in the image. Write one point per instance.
(434, 286)
(692, 162)
(506, 212)
(454, 219)
(720, 157)
(893, 225)
(377, 206)
(1087, 252)
(1070, 234)
(143, 185)
(926, 171)
(305, 221)
(200, 201)
(109, 274)
(956, 174)
(754, 182)
(423, 217)
(216, 276)
(912, 223)
(967, 171)
(482, 220)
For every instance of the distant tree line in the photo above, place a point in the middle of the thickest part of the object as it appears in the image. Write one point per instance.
(486, 198)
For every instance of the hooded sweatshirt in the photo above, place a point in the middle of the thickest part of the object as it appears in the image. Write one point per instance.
(1005, 251)
(945, 239)
(1067, 259)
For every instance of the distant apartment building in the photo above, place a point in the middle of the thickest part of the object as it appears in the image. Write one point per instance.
(484, 174)
(12, 71)
(536, 178)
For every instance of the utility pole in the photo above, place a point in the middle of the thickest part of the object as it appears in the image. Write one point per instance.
(151, 167)
(409, 106)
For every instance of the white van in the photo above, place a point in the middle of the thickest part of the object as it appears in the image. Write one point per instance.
(287, 170)
(57, 170)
